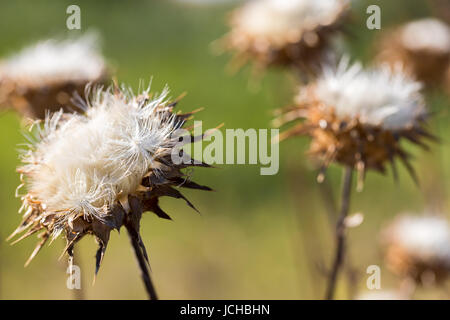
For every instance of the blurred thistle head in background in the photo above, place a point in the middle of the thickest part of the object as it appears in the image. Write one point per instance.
(418, 248)
(45, 75)
(284, 32)
(94, 172)
(421, 46)
(358, 117)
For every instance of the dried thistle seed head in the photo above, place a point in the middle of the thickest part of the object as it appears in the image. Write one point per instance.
(358, 117)
(284, 32)
(45, 75)
(94, 172)
(418, 247)
(422, 46)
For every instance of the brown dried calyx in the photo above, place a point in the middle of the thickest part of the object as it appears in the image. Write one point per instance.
(423, 272)
(34, 101)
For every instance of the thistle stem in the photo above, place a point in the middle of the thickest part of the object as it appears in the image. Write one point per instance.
(340, 233)
(326, 191)
(145, 274)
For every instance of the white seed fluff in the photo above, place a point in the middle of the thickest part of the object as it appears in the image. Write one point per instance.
(379, 97)
(276, 20)
(76, 59)
(82, 163)
(427, 34)
(425, 237)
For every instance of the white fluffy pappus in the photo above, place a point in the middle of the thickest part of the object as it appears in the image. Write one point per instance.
(83, 163)
(74, 59)
(424, 237)
(276, 20)
(380, 96)
(427, 34)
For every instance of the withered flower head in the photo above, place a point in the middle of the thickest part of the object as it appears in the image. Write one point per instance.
(422, 46)
(358, 117)
(45, 75)
(94, 172)
(418, 247)
(284, 32)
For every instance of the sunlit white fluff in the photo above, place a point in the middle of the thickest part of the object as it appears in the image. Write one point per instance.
(74, 59)
(277, 20)
(81, 164)
(426, 34)
(380, 96)
(423, 237)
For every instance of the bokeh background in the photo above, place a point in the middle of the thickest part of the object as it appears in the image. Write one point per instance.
(258, 237)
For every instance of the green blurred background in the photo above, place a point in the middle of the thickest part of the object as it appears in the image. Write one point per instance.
(258, 237)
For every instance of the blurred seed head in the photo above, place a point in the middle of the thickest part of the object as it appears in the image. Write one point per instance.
(418, 247)
(94, 172)
(422, 46)
(45, 75)
(358, 117)
(284, 32)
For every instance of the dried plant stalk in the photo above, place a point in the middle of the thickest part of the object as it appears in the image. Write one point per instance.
(340, 233)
